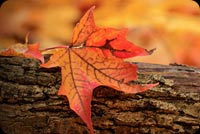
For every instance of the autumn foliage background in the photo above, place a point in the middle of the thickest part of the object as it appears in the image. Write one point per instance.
(172, 27)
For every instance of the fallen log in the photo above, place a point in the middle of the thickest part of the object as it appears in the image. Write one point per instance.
(29, 103)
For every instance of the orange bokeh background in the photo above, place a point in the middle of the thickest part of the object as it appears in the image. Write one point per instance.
(172, 27)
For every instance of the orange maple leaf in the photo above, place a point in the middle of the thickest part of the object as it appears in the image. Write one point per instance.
(95, 58)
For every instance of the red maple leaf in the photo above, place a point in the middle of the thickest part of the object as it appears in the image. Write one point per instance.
(95, 58)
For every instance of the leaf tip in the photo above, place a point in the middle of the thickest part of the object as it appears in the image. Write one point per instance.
(93, 7)
(151, 51)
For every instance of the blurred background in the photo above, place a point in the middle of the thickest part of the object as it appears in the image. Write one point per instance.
(170, 26)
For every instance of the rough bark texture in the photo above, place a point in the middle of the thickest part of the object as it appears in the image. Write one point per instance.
(29, 103)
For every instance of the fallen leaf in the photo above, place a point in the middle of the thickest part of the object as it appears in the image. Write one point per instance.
(34, 52)
(23, 50)
(95, 58)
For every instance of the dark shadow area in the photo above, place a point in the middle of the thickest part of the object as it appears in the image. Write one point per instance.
(2, 1)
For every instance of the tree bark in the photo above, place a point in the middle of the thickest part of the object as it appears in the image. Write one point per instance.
(29, 103)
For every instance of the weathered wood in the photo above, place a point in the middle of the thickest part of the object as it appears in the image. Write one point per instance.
(29, 103)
